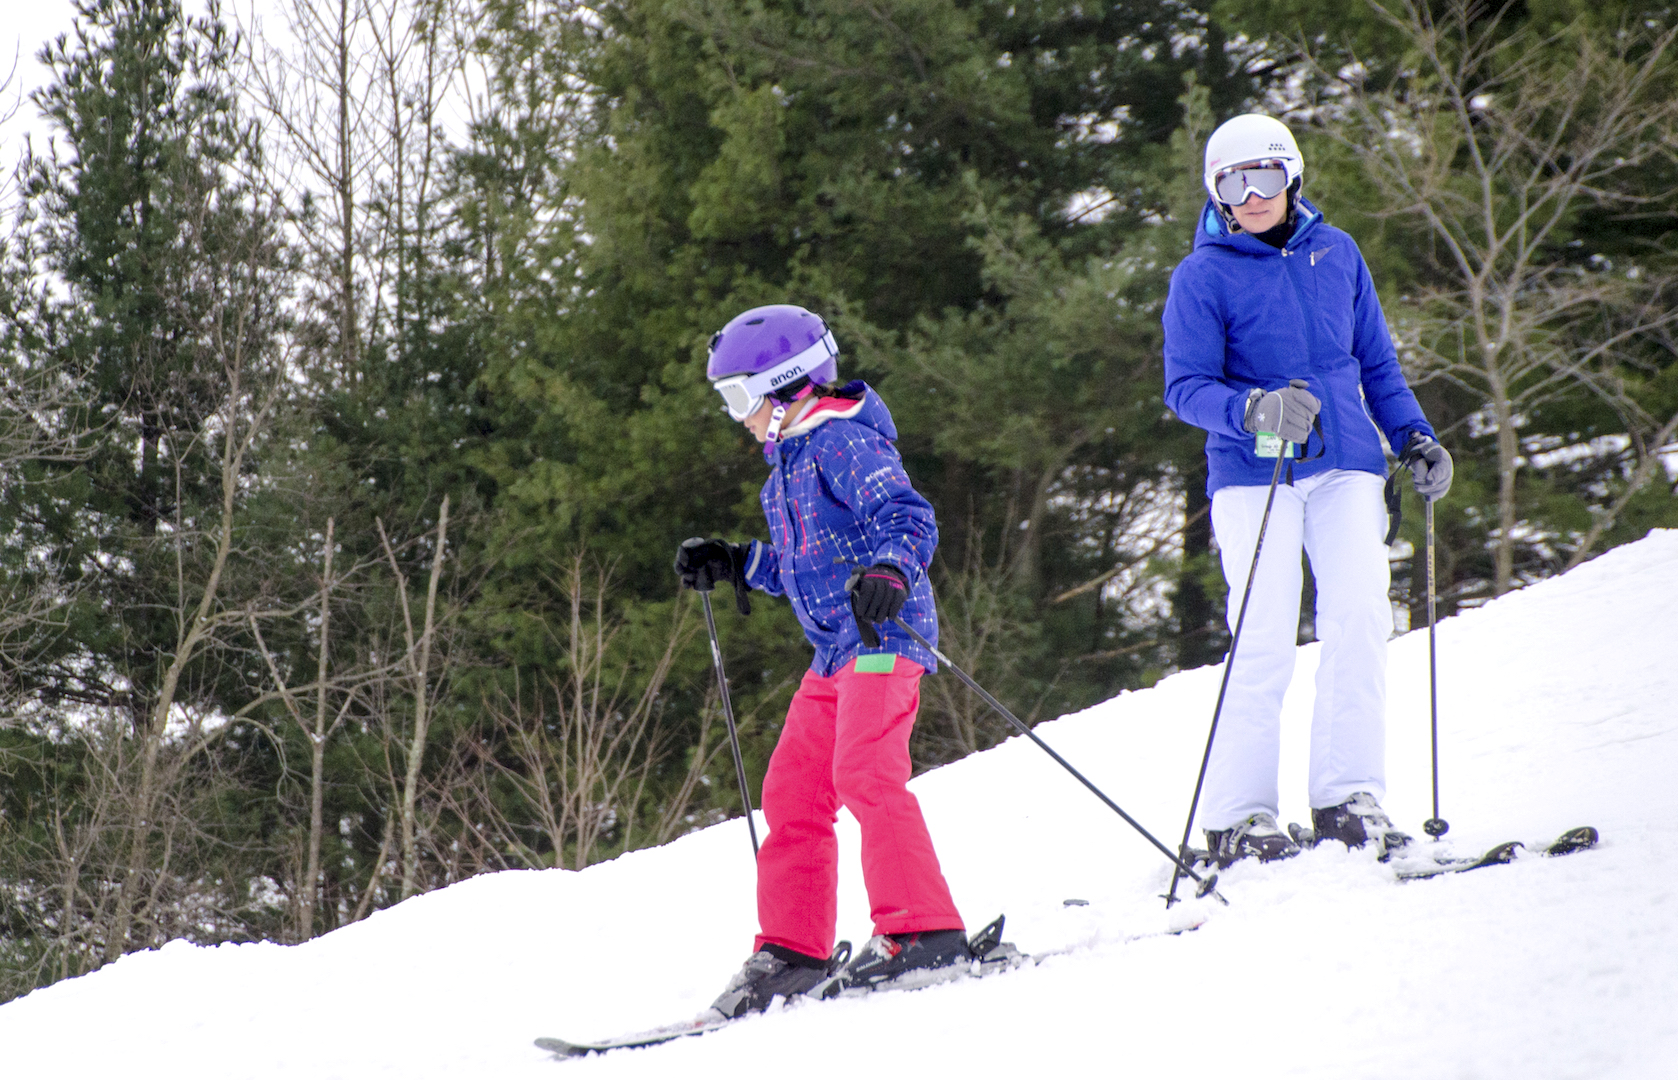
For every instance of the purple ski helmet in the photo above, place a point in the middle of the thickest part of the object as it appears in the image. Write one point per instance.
(772, 351)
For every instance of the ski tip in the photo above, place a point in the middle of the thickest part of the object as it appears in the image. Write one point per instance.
(1184, 919)
(561, 1048)
(1573, 840)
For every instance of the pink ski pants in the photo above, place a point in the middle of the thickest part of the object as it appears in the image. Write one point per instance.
(846, 742)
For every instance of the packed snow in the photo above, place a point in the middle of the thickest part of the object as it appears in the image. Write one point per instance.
(1557, 709)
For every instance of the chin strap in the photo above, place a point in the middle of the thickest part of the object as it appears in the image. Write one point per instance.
(777, 416)
(772, 437)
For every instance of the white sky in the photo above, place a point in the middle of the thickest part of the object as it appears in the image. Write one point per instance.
(29, 25)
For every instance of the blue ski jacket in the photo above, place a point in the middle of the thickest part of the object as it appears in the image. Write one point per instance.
(1242, 314)
(838, 498)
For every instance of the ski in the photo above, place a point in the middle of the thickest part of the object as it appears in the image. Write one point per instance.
(651, 1037)
(1412, 864)
(1566, 844)
(990, 955)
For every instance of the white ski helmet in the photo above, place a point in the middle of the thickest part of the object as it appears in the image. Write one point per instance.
(1250, 138)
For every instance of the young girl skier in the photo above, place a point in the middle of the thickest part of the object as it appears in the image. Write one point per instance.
(841, 512)
(1274, 338)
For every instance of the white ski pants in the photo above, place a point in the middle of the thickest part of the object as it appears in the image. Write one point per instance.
(1338, 518)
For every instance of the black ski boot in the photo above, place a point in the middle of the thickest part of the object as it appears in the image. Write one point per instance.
(902, 961)
(1258, 835)
(775, 971)
(1357, 821)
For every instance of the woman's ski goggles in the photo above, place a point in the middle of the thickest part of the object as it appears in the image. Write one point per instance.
(1266, 179)
(743, 394)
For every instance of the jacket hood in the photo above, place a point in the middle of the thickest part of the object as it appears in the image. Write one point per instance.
(1211, 230)
(856, 401)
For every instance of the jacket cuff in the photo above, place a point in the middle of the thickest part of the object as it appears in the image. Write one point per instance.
(1406, 435)
(754, 560)
(1236, 411)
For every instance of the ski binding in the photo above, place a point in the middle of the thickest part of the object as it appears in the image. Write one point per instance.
(990, 955)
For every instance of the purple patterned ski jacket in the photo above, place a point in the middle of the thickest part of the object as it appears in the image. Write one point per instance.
(838, 498)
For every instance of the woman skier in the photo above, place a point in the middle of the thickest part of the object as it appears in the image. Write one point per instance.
(850, 543)
(1275, 344)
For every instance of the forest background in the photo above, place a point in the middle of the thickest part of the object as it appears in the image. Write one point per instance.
(351, 396)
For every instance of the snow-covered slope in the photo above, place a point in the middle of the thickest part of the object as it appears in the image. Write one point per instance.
(1559, 707)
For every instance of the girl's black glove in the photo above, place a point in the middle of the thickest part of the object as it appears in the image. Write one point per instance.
(702, 563)
(878, 593)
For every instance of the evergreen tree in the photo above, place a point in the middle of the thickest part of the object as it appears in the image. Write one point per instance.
(166, 315)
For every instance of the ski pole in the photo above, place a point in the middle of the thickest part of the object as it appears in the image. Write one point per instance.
(1229, 664)
(1434, 826)
(1207, 885)
(728, 715)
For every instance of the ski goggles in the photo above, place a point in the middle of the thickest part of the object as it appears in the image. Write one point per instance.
(1266, 179)
(743, 395)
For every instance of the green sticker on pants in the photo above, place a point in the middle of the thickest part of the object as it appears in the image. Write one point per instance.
(876, 663)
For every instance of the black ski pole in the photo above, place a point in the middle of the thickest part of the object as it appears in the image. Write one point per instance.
(1229, 665)
(728, 715)
(1434, 826)
(1206, 885)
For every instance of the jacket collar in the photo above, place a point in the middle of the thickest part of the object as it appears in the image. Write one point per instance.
(825, 409)
(1213, 231)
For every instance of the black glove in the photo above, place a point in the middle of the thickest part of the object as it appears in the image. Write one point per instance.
(1288, 412)
(701, 563)
(1429, 464)
(878, 593)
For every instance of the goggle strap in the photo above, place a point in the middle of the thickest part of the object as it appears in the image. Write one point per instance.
(763, 382)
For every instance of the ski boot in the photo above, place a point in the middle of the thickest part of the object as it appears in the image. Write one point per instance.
(902, 962)
(775, 971)
(1258, 835)
(1357, 821)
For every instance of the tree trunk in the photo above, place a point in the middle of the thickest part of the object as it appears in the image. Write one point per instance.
(420, 668)
(1508, 453)
(1195, 614)
(317, 755)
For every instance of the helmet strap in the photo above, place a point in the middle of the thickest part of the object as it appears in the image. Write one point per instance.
(798, 391)
(773, 435)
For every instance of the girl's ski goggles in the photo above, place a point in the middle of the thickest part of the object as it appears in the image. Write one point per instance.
(743, 394)
(739, 401)
(1266, 179)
